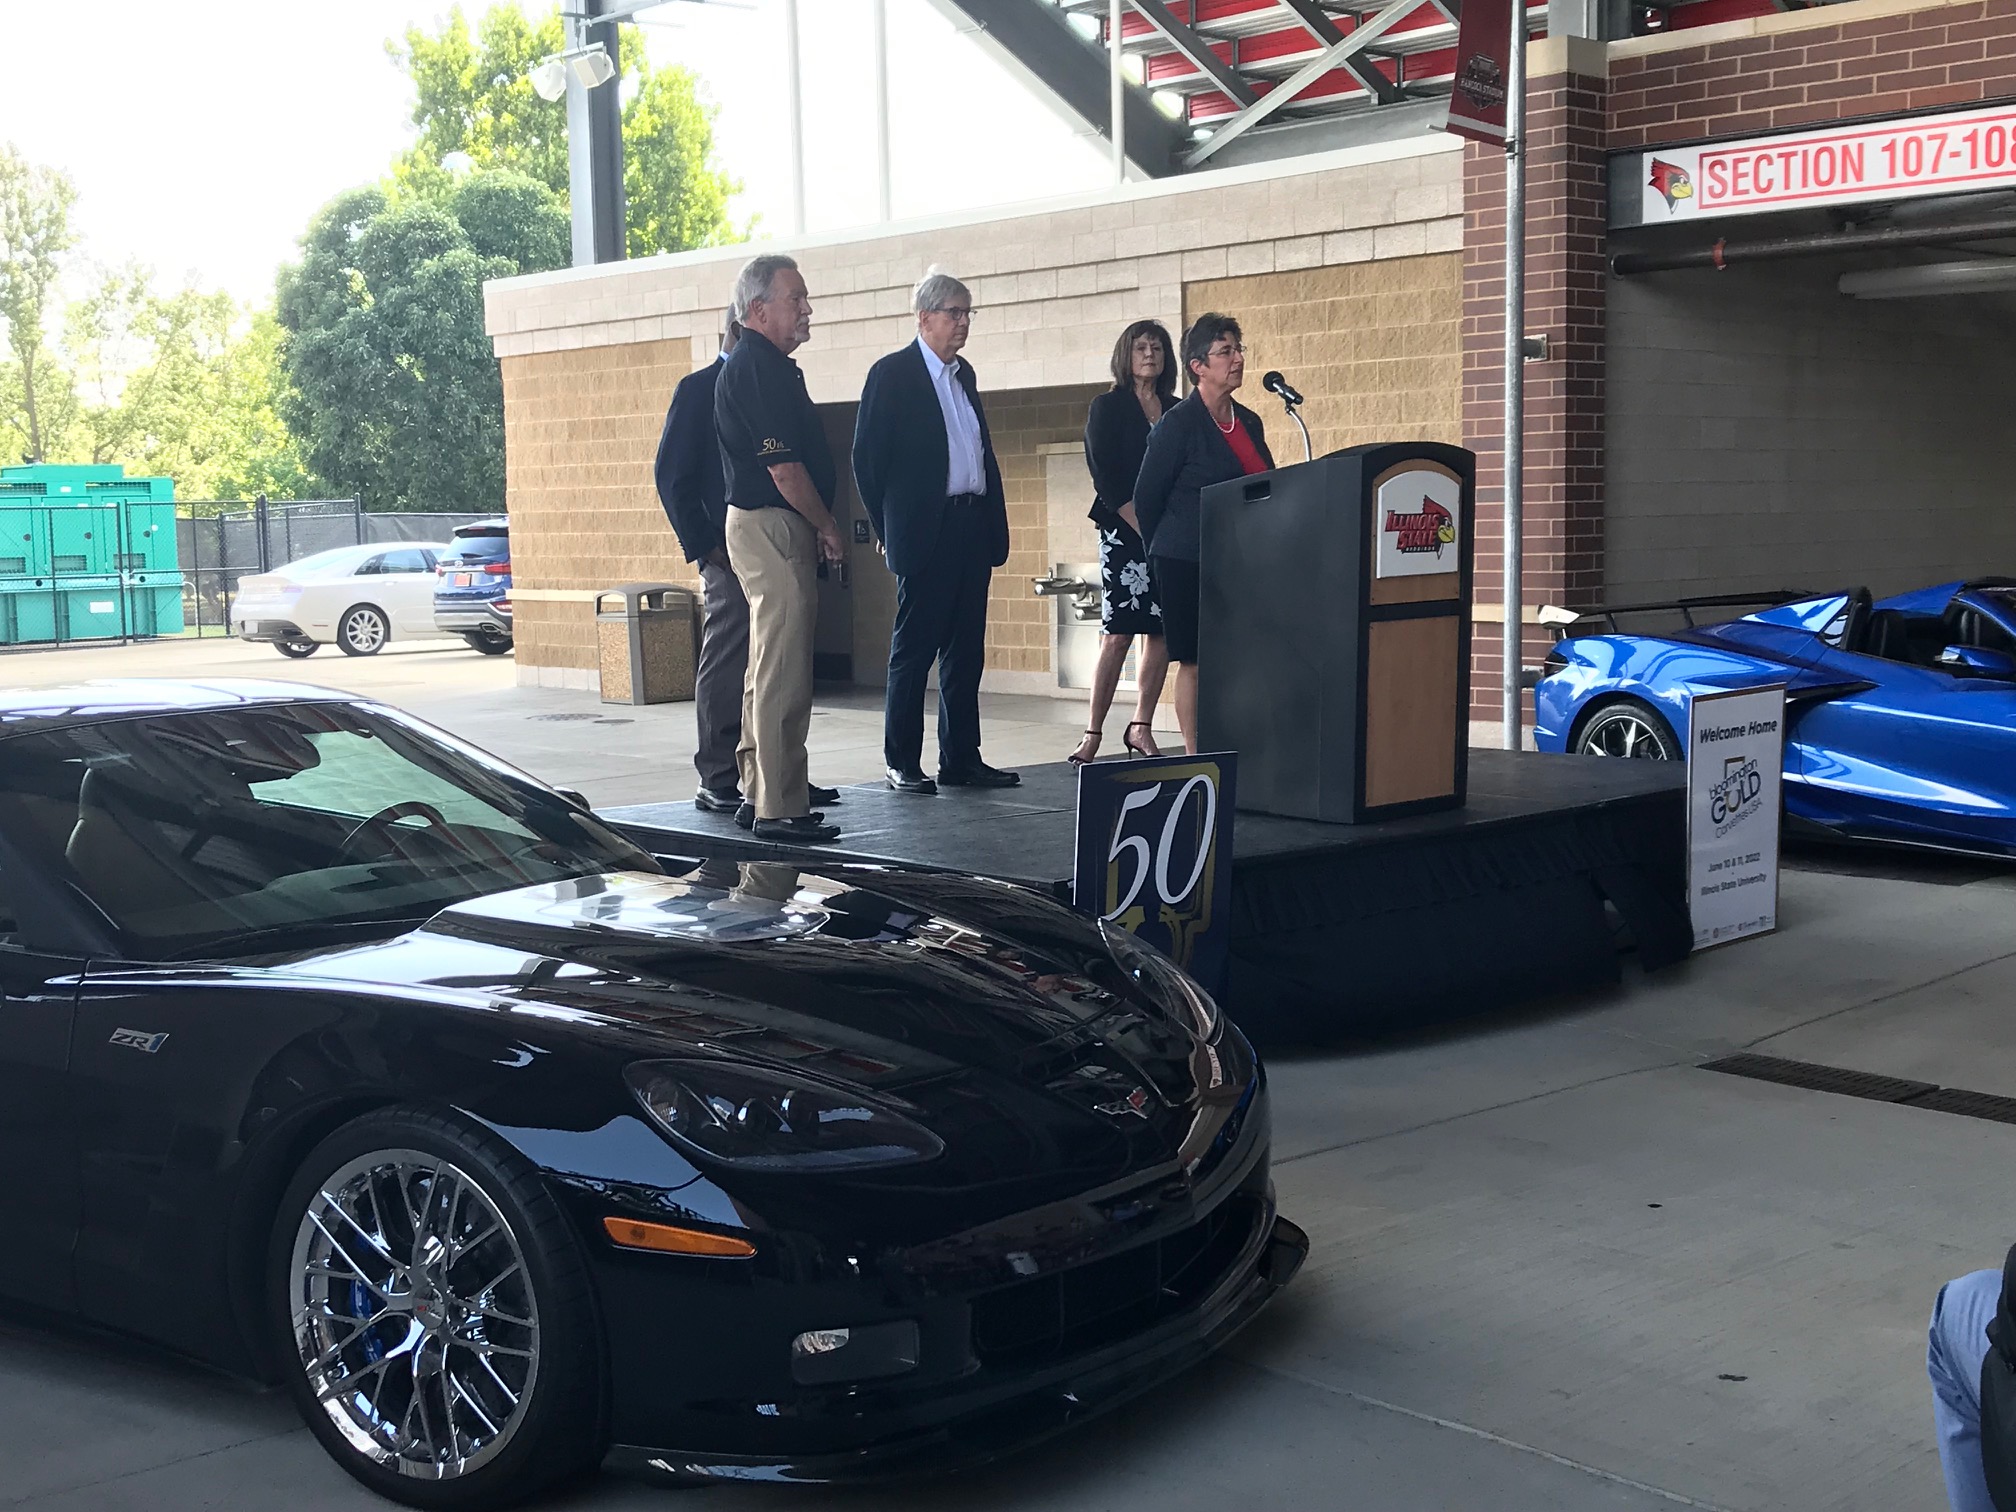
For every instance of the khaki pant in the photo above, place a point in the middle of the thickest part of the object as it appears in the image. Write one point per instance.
(775, 554)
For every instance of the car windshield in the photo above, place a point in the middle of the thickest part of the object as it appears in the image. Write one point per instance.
(470, 551)
(249, 831)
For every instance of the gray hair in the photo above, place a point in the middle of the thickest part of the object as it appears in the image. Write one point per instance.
(753, 282)
(935, 289)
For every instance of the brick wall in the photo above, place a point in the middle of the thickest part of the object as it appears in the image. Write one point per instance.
(580, 430)
(1375, 348)
(1749, 77)
(1563, 475)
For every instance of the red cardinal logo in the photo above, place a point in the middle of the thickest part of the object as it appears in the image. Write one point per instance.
(1672, 181)
(1430, 530)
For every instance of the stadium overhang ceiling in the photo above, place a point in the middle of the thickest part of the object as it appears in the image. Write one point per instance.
(1218, 82)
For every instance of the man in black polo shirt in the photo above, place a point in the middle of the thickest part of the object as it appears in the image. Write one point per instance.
(780, 526)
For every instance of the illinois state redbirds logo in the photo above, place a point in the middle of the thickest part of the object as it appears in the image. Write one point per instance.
(1672, 181)
(1430, 530)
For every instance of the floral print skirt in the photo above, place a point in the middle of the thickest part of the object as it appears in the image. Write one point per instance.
(1127, 592)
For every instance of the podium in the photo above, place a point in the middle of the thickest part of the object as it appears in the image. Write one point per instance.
(1334, 632)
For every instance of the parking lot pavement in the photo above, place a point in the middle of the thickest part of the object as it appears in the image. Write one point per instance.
(1556, 1264)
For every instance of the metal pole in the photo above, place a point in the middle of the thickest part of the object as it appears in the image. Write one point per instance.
(1515, 370)
(797, 117)
(1117, 109)
(879, 27)
(580, 149)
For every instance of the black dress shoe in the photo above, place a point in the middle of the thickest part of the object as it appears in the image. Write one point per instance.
(912, 781)
(745, 816)
(717, 800)
(978, 775)
(808, 829)
(820, 795)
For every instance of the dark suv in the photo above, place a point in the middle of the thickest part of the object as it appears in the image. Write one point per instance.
(472, 586)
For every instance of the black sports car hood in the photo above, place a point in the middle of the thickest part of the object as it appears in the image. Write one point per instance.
(880, 978)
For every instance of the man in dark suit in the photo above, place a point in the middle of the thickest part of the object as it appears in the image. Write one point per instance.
(694, 490)
(695, 496)
(925, 466)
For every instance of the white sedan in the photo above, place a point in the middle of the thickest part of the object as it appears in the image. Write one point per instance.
(358, 597)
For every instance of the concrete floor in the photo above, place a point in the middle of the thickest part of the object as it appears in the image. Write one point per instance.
(1555, 1266)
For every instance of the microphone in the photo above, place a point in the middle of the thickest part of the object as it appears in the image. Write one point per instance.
(1274, 383)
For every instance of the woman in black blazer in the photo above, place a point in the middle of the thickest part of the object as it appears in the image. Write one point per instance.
(1116, 435)
(1208, 438)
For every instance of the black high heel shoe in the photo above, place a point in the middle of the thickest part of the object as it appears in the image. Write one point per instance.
(1127, 737)
(1093, 755)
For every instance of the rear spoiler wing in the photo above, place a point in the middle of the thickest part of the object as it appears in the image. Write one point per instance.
(1558, 619)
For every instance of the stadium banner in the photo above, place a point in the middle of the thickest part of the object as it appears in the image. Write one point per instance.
(1735, 770)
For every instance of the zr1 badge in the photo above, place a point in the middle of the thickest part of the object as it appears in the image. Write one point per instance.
(1155, 855)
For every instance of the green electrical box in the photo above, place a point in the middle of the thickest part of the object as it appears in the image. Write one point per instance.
(87, 553)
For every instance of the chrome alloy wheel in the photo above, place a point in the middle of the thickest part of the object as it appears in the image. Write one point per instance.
(365, 632)
(1624, 731)
(414, 1314)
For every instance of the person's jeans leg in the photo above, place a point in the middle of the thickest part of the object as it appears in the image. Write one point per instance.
(1956, 1345)
(962, 655)
(719, 680)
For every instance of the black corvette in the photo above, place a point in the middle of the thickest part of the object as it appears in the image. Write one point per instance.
(336, 1053)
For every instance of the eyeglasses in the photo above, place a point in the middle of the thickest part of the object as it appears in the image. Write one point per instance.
(1236, 349)
(957, 314)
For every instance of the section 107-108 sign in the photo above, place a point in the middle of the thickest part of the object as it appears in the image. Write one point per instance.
(1840, 165)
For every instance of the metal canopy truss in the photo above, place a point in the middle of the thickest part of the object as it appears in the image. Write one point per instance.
(1224, 67)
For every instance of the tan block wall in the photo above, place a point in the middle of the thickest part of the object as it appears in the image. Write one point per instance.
(1376, 349)
(580, 431)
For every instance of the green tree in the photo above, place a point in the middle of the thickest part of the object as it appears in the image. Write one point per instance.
(473, 96)
(34, 234)
(392, 388)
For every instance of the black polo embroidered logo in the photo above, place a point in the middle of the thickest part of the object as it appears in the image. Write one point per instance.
(770, 447)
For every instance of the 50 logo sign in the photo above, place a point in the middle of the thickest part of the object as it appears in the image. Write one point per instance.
(1155, 855)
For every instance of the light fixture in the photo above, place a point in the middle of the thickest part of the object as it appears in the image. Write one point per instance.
(1168, 102)
(1987, 276)
(549, 79)
(592, 66)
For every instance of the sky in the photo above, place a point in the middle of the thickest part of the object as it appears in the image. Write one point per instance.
(202, 135)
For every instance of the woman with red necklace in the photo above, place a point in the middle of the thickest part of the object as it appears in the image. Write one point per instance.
(1207, 438)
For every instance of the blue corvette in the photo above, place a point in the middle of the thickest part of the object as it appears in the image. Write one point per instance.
(1901, 714)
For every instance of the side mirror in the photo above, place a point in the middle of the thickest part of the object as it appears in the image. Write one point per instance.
(1979, 660)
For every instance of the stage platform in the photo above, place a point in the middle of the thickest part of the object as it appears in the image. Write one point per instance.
(1336, 929)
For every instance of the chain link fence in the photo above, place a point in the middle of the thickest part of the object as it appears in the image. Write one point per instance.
(219, 543)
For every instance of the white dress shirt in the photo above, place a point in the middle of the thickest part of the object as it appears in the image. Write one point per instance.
(966, 472)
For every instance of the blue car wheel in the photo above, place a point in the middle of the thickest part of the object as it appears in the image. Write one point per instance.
(1629, 729)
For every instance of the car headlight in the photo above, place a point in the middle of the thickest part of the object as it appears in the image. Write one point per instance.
(760, 1119)
(1164, 981)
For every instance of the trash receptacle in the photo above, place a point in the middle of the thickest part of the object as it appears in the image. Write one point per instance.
(646, 646)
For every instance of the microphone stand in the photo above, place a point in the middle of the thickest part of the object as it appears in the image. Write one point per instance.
(1308, 451)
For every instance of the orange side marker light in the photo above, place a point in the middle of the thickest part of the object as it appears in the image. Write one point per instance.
(666, 1239)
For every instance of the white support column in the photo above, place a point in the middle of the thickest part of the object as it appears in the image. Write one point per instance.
(879, 29)
(580, 149)
(1115, 11)
(1515, 374)
(797, 116)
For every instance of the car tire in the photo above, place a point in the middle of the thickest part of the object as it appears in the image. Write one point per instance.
(297, 650)
(504, 1306)
(363, 631)
(489, 645)
(1630, 728)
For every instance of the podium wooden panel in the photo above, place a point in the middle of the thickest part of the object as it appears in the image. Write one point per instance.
(1334, 642)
